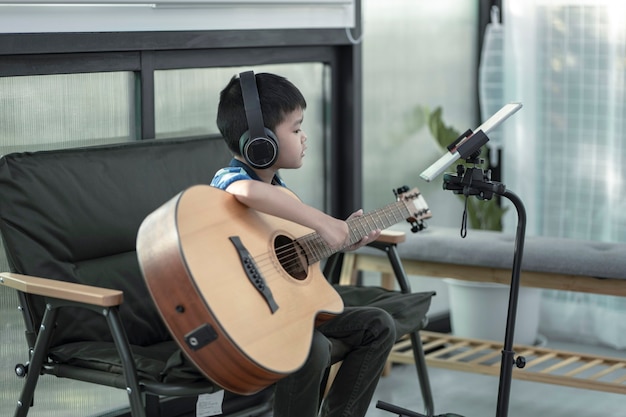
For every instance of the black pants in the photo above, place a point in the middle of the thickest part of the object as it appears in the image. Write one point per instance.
(362, 338)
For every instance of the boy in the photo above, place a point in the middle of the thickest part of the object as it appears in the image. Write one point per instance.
(361, 337)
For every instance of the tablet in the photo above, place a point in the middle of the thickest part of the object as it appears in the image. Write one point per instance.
(451, 156)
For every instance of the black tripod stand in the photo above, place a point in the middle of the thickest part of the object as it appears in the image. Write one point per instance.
(473, 181)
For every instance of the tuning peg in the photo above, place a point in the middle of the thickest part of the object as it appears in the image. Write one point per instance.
(417, 226)
(400, 190)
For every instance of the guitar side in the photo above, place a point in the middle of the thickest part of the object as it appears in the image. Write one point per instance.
(195, 274)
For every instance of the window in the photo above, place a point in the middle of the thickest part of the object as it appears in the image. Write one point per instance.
(186, 105)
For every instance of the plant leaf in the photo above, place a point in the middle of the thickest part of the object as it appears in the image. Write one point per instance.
(444, 135)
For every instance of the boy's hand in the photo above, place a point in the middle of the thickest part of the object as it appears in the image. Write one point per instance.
(370, 237)
(336, 233)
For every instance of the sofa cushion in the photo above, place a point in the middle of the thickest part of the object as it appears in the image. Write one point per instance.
(496, 250)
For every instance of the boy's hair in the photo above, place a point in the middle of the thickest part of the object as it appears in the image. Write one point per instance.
(278, 97)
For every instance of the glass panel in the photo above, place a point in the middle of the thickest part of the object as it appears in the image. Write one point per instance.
(64, 111)
(572, 124)
(566, 155)
(49, 112)
(186, 105)
(415, 54)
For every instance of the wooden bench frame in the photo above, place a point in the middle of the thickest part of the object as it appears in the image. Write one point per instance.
(480, 356)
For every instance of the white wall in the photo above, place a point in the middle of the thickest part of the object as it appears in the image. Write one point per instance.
(31, 16)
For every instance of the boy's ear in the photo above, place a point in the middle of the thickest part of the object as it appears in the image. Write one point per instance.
(258, 145)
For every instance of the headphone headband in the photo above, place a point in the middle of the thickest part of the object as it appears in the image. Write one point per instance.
(252, 104)
(258, 145)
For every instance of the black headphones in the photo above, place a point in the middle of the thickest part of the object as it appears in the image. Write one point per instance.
(258, 145)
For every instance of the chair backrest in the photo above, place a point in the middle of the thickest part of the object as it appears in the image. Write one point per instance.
(73, 215)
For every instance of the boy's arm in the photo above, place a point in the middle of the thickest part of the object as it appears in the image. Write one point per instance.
(272, 200)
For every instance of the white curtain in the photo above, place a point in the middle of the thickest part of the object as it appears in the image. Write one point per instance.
(565, 151)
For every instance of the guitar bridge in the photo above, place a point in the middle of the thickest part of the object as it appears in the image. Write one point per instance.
(253, 274)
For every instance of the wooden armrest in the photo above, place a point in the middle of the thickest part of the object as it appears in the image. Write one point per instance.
(391, 236)
(62, 290)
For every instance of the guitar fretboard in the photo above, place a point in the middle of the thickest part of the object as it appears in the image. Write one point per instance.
(316, 249)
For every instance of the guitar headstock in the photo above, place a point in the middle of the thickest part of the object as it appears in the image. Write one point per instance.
(415, 205)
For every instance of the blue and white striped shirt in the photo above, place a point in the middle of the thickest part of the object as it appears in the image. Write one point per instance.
(236, 171)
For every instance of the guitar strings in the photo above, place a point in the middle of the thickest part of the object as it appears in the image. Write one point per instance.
(367, 219)
(357, 223)
(313, 248)
(290, 256)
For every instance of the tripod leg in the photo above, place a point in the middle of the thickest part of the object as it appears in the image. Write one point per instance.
(401, 412)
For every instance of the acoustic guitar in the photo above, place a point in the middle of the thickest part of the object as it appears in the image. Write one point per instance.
(241, 291)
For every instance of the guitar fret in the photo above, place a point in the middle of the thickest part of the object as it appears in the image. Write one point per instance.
(303, 242)
(353, 236)
(386, 214)
(375, 220)
(364, 230)
(314, 243)
(396, 215)
(380, 220)
(326, 250)
(372, 223)
(390, 212)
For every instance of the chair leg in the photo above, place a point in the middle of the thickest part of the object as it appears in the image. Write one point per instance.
(128, 363)
(348, 272)
(37, 358)
(422, 373)
(331, 373)
(388, 282)
(416, 342)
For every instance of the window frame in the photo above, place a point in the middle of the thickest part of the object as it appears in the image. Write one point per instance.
(146, 52)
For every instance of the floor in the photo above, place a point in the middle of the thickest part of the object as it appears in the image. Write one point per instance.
(474, 395)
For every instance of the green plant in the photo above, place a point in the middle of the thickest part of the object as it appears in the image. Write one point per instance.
(481, 214)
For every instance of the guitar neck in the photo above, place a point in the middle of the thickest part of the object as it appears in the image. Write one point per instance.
(316, 248)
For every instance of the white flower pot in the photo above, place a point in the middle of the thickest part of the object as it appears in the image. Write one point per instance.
(479, 310)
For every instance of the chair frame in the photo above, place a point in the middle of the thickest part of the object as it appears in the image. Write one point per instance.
(59, 294)
(416, 341)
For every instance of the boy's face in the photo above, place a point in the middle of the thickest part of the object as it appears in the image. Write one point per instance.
(291, 140)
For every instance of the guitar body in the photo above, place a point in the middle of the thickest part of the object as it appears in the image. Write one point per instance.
(224, 320)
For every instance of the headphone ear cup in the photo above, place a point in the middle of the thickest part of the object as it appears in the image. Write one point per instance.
(272, 136)
(243, 140)
(259, 152)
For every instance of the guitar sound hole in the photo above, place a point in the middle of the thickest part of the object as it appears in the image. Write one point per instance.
(291, 256)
